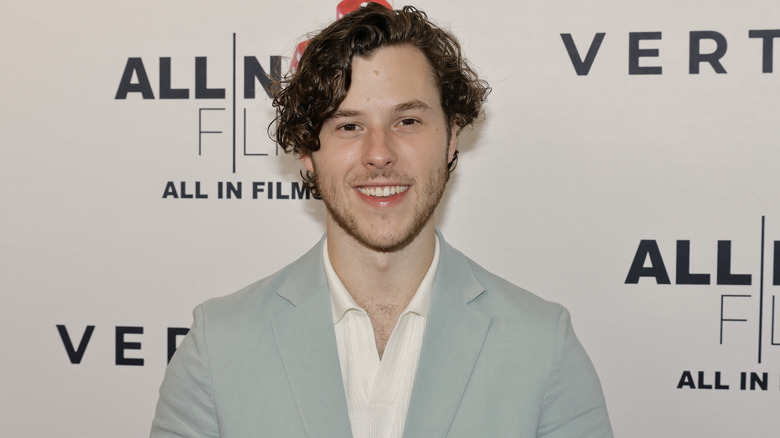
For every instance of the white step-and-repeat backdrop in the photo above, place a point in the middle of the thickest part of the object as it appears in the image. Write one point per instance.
(627, 168)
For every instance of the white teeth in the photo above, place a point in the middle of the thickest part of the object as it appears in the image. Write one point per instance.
(382, 192)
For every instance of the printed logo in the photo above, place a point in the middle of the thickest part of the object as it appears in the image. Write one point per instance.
(745, 299)
(642, 54)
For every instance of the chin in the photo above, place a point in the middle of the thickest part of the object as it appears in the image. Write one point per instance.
(386, 240)
(387, 231)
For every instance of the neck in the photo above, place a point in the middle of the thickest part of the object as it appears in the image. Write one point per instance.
(387, 279)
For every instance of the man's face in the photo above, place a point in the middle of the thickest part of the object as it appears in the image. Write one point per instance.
(382, 164)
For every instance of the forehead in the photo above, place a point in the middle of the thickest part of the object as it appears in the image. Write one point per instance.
(392, 75)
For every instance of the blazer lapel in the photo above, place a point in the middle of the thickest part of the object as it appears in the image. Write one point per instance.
(307, 345)
(454, 336)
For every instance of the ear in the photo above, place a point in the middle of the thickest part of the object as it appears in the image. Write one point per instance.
(453, 143)
(307, 162)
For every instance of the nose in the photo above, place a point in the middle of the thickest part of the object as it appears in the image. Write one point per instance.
(379, 151)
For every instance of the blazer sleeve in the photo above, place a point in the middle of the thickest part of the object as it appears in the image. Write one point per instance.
(573, 404)
(186, 404)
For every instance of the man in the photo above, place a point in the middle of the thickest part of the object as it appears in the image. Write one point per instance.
(382, 329)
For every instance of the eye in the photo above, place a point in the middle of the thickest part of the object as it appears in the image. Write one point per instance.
(408, 122)
(349, 127)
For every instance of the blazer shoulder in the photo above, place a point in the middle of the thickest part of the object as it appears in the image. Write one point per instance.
(503, 298)
(279, 291)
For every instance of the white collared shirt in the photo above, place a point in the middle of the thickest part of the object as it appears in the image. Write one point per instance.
(378, 392)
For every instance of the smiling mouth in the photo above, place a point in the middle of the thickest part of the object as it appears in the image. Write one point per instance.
(382, 192)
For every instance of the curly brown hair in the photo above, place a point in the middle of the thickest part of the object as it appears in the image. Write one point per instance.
(311, 95)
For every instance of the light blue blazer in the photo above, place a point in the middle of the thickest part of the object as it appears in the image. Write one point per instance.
(496, 361)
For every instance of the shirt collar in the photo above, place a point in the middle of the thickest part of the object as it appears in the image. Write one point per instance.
(342, 301)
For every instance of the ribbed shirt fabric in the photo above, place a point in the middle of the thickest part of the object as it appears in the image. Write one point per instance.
(378, 392)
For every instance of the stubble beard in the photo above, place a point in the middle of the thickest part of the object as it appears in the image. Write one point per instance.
(428, 199)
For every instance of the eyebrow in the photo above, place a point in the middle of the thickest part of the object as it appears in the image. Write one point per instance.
(345, 113)
(414, 104)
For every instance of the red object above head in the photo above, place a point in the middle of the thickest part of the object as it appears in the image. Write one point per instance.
(343, 8)
(347, 6)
